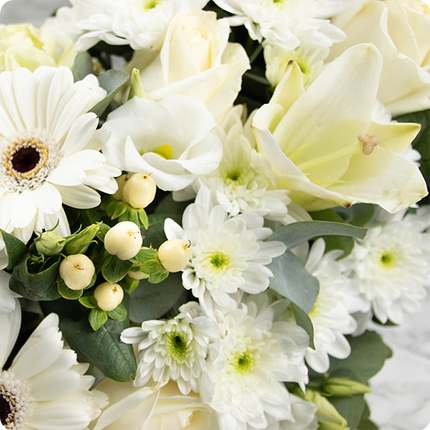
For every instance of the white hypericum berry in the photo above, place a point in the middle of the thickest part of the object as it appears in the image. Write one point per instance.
(123, 240)
(108, 296)
(77, 271)
(139, 190)
(120, 180)
(137, 274)
(174, 254)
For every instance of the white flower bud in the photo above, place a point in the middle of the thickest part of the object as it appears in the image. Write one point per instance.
(77, 271)
(123, 240)
(120, 180)
(139, 190)
(174, 254)
(108, 296)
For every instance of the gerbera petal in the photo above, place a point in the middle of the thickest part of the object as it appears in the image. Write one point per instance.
(79, 196)
(25, 94)
(80, 133)
(48, 199)
(24, 209)
(54, 385)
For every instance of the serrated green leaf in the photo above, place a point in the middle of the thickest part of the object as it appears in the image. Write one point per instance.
(292, 281)
(97, 318)
(88, 302)
(15, 249)
(116, 269)
(158, 277)
(119, 313)
(152, 301)
(82, 66)
(35, 286)
(102, 348)
(66, 292)
(152, 267)
(299, 232)
(111, 81)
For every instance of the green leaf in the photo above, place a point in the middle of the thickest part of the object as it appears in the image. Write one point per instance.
(145, 254)
(359, 214)
(154, 234)
(111, 81)
(103, 229)
(35, 286)
(152, 267)
(351, 408)
(15, 249)
(66, 292)
(116, 208)
(169, 206)
(299, 232)
(116, 269)
(152, 301)
(119, 313)
(129, 284)
(97, 318)
(88, 301)
(143, 218)
(82, 66)
(368, 354)
(292, 281)
(156, 278)
(303, 320)
(102, 348)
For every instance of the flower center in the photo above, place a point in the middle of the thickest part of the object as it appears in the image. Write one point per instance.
(177, 346)
(14, 406)
(243, 362)
(387, 259)
(150, 4)
(26, 162)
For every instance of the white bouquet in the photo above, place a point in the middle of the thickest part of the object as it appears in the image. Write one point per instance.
(204, 206)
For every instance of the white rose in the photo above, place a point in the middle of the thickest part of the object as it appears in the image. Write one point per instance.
(400, 30)
(153, 408)
(195, 60)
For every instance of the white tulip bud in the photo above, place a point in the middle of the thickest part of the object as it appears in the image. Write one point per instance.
(123, 240)
(108, 296)
(174, 254)
(77, 271)
(139, 190)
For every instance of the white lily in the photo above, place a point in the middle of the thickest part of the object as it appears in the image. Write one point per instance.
(324, 145)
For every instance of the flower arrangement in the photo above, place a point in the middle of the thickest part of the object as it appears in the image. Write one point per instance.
(203, 208)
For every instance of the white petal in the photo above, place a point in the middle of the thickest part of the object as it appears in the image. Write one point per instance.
(80, 133)
(79, 196)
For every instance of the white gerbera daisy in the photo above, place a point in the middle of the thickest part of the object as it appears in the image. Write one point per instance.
(288, 23)
(138, 23)
(45, 387)
(258, 355)
(228, 253)
(180, 349)
(330, 314)
(48, 154)
(391, 264)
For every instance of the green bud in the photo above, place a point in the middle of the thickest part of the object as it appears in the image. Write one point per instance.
(78, 243)
(344, 387)
(50, 243)
(326, 413)
(136, 88)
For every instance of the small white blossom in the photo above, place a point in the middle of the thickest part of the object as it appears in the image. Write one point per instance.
(391, 264)
(228, 253)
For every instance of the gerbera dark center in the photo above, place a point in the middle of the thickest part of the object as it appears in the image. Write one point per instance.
(6, 407)
(25, 159)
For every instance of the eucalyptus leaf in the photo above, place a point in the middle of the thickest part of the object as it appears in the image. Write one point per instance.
(292, 281)
(111, 81)
(15, 249)
(116, 269)
(303, 320)
(82, 66)
(297, 233)
(102, 348)
(152, 301)
(35, 286)
(154, 235)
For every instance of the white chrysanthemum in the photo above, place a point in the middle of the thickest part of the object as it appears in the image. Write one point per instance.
(171, 140)
(138, 23)
(391, 264)
(330, 314)
(48, 154)
(45, 387)
(180, 349)
(258, 355)
(228, 253)
(288, 23)
(244, 180)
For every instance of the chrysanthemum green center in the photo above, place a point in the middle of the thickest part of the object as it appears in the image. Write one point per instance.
(244, 361)
(177, 346)
(150, 4)
(234, 175)
(387, 259)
